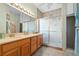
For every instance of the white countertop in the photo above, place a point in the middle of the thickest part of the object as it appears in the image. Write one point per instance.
(18, 37)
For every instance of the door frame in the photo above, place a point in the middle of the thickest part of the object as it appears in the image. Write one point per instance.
(67, 33)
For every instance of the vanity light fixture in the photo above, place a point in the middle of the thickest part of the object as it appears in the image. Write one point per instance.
(21, 8)
(16, 5)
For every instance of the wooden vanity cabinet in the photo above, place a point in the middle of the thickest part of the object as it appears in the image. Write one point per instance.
(0, 51)
(10, 49)
(24, 45)
(33, 44)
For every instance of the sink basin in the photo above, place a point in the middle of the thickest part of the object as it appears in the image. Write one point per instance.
(11, 35)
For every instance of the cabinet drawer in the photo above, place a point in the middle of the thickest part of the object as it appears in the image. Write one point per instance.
(0, 51)
(13, 52)
(9, 46)
(24, 41)
(40, 36)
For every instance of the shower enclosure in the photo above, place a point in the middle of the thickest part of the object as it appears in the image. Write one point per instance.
(51, 27)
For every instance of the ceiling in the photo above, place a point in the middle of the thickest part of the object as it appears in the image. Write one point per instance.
(45, 7)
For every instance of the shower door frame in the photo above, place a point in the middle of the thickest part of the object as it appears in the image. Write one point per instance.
(48, 29)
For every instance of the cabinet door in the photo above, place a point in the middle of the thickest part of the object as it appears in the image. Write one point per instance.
(33, 40)
(0, 51)
(33, 44)
(38, 41)
(13, 52)
(41, 40)
(25, 50)
(33, 48)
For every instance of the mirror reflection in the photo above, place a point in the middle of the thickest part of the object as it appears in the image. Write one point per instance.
(14, 21)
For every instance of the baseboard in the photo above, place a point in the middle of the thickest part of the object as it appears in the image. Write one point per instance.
(61, 49)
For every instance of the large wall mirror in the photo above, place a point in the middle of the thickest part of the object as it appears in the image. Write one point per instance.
(17, 22)
(29, 24)
(12, 20)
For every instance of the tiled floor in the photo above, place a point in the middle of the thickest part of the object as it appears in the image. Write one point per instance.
(48, 51)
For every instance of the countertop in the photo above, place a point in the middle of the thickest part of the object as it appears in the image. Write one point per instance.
(17, 37)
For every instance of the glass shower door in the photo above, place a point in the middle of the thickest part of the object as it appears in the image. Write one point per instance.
(44, 25)
(55, 32)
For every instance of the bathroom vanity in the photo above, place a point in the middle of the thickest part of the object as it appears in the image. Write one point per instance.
(23, 45)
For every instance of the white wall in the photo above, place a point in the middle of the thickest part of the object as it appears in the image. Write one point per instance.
(3, 10)
(64, 11)
(69, 9)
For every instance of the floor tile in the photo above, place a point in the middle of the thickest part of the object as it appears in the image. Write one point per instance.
(48, 51)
